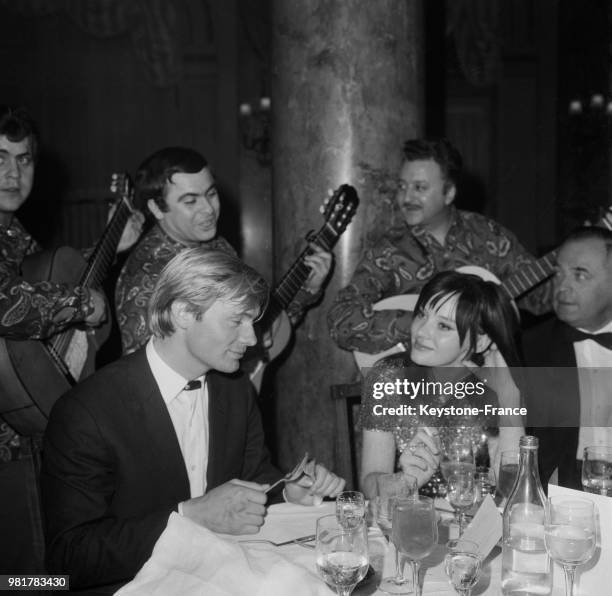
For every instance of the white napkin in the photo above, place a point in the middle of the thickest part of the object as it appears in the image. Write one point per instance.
(189, 560)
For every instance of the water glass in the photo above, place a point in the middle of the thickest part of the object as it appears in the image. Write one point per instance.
(457, 451)
(484, 479)
(341, 553)
(508, 471)
(390, 488)
(462, 564)
(415, 532)
(461, 493)
(350, 508)
(570, 534)
(597, 470)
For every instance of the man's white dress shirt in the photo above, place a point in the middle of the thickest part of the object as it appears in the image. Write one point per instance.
(189, 414)
(594, 363)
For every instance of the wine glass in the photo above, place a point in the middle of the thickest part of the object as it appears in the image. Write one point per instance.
(508, 471)
(597, 470)
(462, 565)
(342, 553)
(390, 487)
(484, 479)
(457, 453)
(461, 492)
(415, 531)
(350, 508)
(570, 534)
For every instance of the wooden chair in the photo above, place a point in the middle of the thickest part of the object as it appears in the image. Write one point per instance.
(345, 396)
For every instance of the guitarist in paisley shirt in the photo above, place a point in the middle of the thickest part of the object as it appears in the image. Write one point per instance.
(434, 236)
(177, 190)
(30, 310)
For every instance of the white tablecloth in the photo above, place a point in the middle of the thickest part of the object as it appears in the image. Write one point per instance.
(189, 560)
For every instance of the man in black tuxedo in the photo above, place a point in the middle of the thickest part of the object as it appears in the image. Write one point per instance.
(172, 427)
(570, 403)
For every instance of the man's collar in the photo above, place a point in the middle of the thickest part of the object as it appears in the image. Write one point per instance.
(170, 382)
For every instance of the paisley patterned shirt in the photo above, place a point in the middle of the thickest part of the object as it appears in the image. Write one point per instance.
(34, 310)
(31, 310)
(139, 275)
(404, 260)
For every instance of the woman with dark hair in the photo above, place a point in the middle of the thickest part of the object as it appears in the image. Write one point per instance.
(462, 340)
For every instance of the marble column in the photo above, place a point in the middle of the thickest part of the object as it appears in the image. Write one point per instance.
(347, 90)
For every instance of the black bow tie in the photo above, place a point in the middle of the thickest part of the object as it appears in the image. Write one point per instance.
(193, 385)
(603, 339)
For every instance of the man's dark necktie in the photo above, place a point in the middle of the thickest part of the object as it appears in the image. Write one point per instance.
(193, 385)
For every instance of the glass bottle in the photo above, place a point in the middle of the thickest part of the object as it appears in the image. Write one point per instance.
(526, 567)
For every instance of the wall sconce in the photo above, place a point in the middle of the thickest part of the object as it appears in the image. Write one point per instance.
(596, 103)
(255, 129)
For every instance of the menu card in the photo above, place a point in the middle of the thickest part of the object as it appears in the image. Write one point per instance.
(592, 577)
(486, 527)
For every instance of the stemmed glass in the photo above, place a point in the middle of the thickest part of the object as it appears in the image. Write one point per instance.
(462, 564)
(570, 533)
(350, 508)
(342, 553)
(484, 478)
(415, 531)
(508, 471)
(457, 452)
(390, 488)
(597, 470)
(461, 492)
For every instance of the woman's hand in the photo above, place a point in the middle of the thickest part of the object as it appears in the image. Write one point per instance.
(422, 456)
(496, 374)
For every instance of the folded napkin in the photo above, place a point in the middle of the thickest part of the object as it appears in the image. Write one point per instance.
(189, 560)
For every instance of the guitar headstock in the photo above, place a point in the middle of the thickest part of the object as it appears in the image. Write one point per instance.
(123, 188)
(339, 209)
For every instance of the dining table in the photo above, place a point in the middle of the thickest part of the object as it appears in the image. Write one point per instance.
(189, 560)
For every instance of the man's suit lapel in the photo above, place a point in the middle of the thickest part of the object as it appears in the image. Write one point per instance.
(158, 443)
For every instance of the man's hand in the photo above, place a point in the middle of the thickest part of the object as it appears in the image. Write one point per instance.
(132, 230)
(98, 316)
(236, 507)
(320, 264)
(312, 486)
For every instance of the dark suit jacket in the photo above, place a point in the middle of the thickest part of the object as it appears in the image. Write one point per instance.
(553, 400)
(113, 470)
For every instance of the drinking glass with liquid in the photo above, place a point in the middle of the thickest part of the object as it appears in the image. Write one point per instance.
(341, 553)
(462, 565)
(350, 508)
(570, 534)
(508, 471)
(597, 470)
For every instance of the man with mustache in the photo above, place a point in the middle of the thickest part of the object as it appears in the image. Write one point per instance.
(175, 185)
(569, 401)
(434, 236)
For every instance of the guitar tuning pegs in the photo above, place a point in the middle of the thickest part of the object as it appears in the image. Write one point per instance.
(321, 209)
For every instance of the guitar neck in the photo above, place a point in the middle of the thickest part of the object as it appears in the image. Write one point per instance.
(530, 275)
(103, 254)
(294, 279)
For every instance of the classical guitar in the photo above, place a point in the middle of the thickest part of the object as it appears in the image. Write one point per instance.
(338, 211)
(34, 374)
